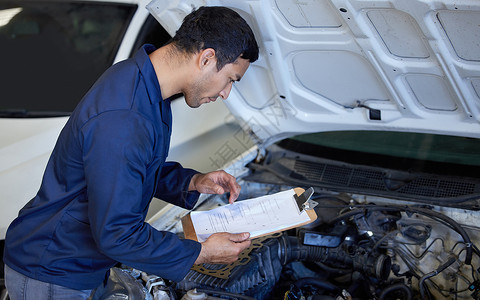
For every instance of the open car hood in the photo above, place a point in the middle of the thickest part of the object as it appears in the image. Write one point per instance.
(331, 65)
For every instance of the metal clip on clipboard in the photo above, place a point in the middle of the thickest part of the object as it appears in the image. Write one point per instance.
(304, 202)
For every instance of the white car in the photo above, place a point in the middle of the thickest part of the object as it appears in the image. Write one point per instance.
(50, 55)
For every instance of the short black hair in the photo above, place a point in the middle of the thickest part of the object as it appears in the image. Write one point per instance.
(219, 28)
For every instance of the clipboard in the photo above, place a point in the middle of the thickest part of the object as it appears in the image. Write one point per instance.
(189, 230)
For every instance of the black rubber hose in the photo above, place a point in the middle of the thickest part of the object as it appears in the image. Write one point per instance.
(294, 251)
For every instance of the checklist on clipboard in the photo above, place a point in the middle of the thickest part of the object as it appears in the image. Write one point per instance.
(259, 216)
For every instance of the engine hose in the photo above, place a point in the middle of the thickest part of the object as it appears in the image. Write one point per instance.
(426, 212)
(394, 288)
(291, 249)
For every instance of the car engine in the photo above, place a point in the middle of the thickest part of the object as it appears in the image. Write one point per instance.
(354, 250)
(415, 238)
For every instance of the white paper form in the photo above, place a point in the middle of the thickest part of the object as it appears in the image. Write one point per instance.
(257, 216)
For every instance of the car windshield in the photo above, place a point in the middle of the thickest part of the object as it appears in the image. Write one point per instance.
(52, 52)
(412, 152)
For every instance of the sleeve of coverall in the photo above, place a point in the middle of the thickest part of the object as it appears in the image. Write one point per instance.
(117, 148)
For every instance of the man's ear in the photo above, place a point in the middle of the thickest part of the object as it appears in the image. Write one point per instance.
(207, 58)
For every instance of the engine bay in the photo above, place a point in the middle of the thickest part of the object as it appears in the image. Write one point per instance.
(354, 250)
(364, 244)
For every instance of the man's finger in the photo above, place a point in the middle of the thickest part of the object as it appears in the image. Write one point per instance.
(209, 186)
(239, 237)
(234, 189)
(215, 187)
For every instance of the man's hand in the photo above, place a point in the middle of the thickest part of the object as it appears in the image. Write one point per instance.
(223, 248)
(217, 182)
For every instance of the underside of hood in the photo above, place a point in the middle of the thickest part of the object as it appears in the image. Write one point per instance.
(408, 66)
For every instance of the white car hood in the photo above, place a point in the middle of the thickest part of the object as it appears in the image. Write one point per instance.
(354, 65)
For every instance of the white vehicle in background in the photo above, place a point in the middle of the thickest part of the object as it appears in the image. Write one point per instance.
(51, 52)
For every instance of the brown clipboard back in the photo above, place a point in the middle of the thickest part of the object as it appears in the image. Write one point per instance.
(189, 229)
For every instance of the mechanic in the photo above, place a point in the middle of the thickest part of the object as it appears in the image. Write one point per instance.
(109, 162)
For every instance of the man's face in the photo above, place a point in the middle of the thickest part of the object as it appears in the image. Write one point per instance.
(213, 83)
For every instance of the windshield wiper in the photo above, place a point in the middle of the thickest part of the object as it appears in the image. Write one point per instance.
(24, 113)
